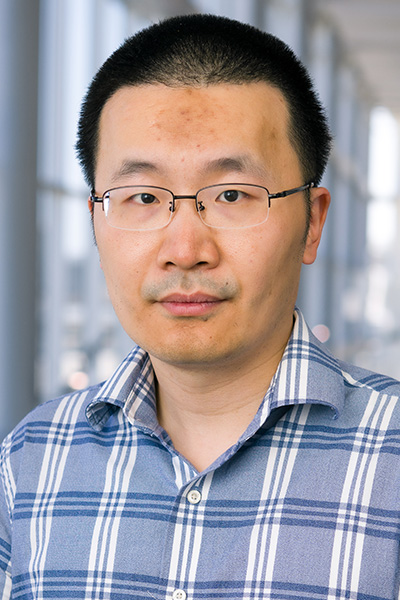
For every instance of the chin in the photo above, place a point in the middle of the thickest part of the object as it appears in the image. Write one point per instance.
(193, 343)
(192, 352)
(187, 356)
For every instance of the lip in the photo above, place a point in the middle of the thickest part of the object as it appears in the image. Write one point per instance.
(190, 305)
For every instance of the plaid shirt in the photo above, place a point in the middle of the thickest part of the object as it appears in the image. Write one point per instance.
(96, 503)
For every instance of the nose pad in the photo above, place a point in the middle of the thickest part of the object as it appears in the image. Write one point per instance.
(187, 243)
(174, 207)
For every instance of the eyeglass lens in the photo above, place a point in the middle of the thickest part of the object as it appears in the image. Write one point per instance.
(229, 206)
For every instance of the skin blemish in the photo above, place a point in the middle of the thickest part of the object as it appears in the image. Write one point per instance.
(273, 134)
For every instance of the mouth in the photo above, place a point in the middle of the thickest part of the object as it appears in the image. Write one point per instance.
(190, 305)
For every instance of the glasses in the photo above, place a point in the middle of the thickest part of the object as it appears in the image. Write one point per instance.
(223, 206)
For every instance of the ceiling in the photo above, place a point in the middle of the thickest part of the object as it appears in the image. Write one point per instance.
(370, 31)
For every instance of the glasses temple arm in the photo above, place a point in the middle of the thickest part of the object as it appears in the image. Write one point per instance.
(93, 198)
(293, 190)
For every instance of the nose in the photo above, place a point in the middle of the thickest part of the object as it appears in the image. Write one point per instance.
(186, 242)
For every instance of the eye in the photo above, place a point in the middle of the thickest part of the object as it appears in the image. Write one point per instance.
(231, 196)
(143, 198)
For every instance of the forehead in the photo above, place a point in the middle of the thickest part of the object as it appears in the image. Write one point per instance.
(195, 105)
(196, 122)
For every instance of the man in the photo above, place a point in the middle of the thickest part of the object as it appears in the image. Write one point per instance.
(229, 456)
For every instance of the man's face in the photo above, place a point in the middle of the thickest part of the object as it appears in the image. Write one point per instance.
(189, 294)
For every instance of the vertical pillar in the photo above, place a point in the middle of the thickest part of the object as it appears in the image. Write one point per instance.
(344, 277)
(248, 11)
(19, 25)
(315, 294)
(285, 19)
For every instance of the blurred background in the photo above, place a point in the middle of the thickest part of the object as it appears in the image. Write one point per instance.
(57, 329)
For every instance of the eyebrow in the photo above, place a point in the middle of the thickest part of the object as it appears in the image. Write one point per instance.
(134, 167)
(227, 164)
(240, 164)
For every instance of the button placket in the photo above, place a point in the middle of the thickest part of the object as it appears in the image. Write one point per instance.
(193, 496)
(179, 594)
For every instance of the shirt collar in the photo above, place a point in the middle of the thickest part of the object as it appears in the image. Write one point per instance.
(307, 374)
(131, 387)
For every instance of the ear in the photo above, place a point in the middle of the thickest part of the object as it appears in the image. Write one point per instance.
(91, 210)
(90, 207)
(320, 200)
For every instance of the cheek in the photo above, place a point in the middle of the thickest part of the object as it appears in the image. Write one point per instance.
(120, 264)
(253, 263)
(273, 265)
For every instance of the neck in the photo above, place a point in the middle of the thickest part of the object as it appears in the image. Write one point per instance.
(206, 411)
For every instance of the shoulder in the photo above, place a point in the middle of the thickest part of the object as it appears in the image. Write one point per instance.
(49, 422)
(373, 396)
(48, 432)
(67, 408)
(369, 381)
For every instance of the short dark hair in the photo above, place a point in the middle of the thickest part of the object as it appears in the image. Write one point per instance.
(200, 50)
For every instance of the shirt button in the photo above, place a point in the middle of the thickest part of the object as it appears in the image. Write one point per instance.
(179, 595)
(194, 496)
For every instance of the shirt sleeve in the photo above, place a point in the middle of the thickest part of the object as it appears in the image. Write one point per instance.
(6, 486)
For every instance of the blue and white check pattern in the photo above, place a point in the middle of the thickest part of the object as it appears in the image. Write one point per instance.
(94, 499)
